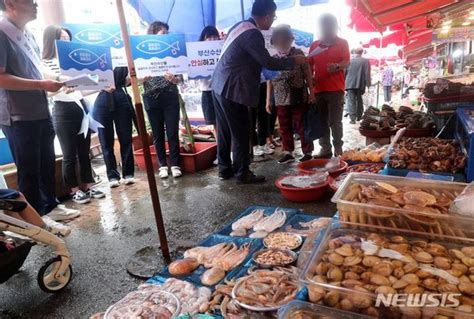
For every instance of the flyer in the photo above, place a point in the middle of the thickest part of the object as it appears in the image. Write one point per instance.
(156, 55)
(103, 34)
(76, 59)
(202, 58)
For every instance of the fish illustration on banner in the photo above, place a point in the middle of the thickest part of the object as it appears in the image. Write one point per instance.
(303, 40)
(156, 55)
(103, 34)
(79, 58)
(202, 58)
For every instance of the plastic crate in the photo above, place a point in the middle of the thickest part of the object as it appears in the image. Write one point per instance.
(441, 119)
(448, 103)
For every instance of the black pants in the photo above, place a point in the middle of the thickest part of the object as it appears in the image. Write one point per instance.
(387, 93)
(120, 115)
(32, 146)
(162, 112)
(259, 119)
(67, 120)
(354, 103)
(232, 133)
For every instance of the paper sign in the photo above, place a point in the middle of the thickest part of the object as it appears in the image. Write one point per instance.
(202, 58)
(77, 59)
(156, 55)
(316, 51)
(103, 34)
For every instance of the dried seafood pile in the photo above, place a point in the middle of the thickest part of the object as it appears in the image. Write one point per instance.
(371, 153)
(445, 88)
(370, 263)
(428, 154)
(385, 198)
(257, 221)
(387, 118)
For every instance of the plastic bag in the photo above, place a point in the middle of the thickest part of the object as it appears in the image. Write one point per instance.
(305, 181)
(464, 203)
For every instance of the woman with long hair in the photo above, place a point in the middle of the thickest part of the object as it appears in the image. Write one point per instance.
(69, 110)
(161, 100)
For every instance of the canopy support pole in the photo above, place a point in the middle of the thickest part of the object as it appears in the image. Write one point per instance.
(242, 9)
(380, 69)
(143, 135)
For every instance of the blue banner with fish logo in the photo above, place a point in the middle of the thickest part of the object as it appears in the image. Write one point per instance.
(78, 58)
(303, 40)
(159, 54)
(103, 34)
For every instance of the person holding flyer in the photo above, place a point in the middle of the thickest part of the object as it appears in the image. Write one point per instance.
(329, 57)
(235, 85)
(70, 110)
(161, 100)
(24, 112)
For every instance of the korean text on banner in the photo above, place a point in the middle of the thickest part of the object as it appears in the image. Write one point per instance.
(202, 58)
(76, 59)
(103, 34)
(156, 55)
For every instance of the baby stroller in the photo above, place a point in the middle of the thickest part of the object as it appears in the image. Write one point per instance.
(56, 273)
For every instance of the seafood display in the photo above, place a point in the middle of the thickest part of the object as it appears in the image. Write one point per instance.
(246, 223)
(265, 290)
(428, 154)
(372, 153)
(282, 240)
(365, 168)
(154, 303)
(268, 224)
(274, 257)
(221, 300)
(311, 227)
(387, 118)
(212, 276)
(446, 88)
(370, 263)
(224, 255)
(183, 266)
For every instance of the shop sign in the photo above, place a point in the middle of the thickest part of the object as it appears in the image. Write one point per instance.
(202, 58)
(456, 34)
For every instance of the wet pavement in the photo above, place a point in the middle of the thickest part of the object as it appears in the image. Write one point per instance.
(112, 229)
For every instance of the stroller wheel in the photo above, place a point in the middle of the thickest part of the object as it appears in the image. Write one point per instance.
(46, 276)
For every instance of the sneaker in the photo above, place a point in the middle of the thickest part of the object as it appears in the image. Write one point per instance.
(286, 158)
(176, 171)
(306, 157)
(352, 122)
(225, 175)
(267, 150)
(129, 180)
(95, 193)
(56, 228)
(216, 162)
(250, 178)
(63, 213)
(163, 172)
(258, 151)
(113, 183)
(81, 197)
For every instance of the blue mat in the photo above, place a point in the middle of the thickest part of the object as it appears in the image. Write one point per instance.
(290, 212)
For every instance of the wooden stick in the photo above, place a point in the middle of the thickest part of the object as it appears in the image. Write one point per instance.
(143, 135)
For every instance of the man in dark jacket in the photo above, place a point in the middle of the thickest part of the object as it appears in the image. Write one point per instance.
(235, 85)
(357, 79)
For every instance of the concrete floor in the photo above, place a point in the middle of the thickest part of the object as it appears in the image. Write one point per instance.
(111, 230)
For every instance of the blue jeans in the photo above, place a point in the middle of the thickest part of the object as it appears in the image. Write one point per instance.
(162, 112)
(32, 146)
(120, 114)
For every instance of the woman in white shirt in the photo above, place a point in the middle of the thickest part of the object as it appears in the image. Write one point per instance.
(69, 110)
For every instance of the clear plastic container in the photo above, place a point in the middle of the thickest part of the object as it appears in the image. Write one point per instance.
(353, 285)
(416, 220)
(305, 310)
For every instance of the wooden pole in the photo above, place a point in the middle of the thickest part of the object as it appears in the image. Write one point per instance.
(143, 135)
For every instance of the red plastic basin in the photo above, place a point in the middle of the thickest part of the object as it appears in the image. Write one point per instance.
(189, 162)
(301, 195)
(308, 167)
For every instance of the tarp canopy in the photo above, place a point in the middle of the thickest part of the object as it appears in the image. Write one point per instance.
(383, 13)
(419, 42)
(397, 38)
(191, 16)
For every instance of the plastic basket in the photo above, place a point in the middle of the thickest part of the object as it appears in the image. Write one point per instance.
(448, 103)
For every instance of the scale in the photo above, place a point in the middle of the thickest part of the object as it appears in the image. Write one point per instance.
(465, 135)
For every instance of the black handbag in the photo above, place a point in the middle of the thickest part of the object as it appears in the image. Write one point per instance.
(313, 124)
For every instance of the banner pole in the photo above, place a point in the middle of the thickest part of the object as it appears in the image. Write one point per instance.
(143, 135)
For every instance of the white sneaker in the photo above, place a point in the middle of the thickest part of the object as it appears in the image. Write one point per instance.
(258, 151)
(267, 150)
(163, 172)
(129, 180)
(63, 213)
(56, 228)
(114, 183)
(176, 171)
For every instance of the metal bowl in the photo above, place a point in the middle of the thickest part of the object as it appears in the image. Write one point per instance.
(288, 252)
(298, 238)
